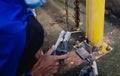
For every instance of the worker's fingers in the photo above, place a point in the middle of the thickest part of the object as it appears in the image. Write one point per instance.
(36, 64)
(39, 54)
(49, 52)
(61, 57)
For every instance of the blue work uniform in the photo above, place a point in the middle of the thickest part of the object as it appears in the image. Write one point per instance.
(13, 23)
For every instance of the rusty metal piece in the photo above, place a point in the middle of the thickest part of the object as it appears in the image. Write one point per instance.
(77, 14)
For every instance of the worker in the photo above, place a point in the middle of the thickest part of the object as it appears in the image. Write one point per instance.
(21, 36)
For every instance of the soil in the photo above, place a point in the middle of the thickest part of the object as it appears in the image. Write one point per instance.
(52, 17)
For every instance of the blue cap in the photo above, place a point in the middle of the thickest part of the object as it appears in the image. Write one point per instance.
(33, 3)
(43, 1)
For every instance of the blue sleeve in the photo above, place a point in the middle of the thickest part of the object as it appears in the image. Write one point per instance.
(13, 24)
(27, 74)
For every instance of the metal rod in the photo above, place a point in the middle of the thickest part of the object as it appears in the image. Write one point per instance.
(66, 9)
(77, 14)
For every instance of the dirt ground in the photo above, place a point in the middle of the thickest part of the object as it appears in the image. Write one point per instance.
(52, 17)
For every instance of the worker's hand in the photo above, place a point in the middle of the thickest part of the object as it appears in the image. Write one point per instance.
(72, 61)
(46, 64)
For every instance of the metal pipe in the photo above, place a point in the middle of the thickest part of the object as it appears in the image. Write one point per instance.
(95, 21)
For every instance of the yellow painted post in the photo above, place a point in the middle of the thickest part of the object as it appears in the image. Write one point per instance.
(95, 21)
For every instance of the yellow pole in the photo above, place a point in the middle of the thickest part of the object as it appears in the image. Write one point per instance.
(95, 21)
